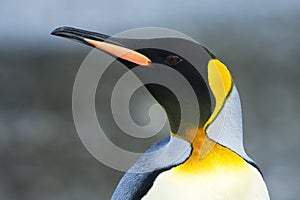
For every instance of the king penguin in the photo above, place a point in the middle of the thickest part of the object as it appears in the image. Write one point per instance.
(212, 163)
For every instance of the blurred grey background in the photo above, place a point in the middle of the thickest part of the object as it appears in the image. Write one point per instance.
(41, 156)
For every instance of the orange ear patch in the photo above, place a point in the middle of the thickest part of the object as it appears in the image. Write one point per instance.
(220, 82)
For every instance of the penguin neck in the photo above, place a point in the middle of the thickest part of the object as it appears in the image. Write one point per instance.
(194, 116)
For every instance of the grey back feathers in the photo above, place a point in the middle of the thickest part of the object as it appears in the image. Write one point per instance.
(227, 128)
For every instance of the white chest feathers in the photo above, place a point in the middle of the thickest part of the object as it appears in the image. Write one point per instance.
(239, 185)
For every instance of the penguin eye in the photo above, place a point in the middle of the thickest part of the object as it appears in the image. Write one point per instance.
(172, 59)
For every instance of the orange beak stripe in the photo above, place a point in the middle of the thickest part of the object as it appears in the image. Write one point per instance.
(121, 52)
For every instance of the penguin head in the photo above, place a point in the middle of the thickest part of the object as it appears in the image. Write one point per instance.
(211, 102)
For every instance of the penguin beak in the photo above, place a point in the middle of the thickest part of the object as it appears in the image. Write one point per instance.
(102, 42)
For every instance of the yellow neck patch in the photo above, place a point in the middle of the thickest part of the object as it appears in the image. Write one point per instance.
(208, 156)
